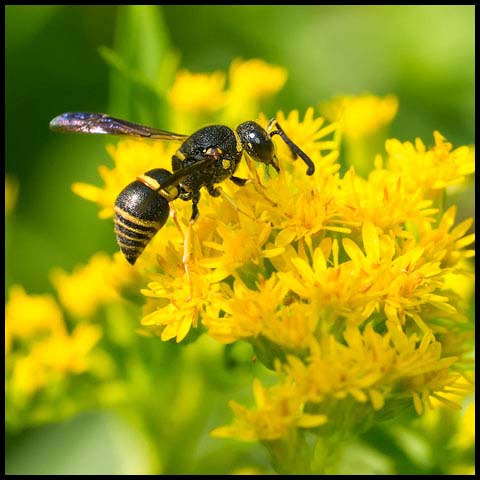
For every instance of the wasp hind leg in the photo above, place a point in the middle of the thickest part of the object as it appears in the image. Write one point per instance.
(187, 238)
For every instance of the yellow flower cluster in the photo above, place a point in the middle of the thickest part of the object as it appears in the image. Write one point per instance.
(98, 282)
(277, 410)
(40, 350)
(132, 158)
(208, 94)
(361, 115)
(343, 284)
(365, 310)
(194, 97)
(436, 168)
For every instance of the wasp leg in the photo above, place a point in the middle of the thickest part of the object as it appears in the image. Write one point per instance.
(187, 252)
(186, 247)
(187, 239)
(241, 182)
(213, 191)
(195, 197)
(173, 215)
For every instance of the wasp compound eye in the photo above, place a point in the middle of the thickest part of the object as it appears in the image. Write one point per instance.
(257, 143)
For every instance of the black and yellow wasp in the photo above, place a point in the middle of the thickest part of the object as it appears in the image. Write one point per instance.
(205, 158)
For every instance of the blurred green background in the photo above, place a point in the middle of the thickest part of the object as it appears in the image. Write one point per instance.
(423, 54)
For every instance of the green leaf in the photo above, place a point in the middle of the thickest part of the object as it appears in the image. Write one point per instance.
(143, 65)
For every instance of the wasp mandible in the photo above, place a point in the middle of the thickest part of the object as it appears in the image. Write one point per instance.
(207, 157)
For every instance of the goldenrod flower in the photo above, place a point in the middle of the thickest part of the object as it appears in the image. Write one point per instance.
(197, 92)
(52, 359)
(362, 123)
(40, 350)
(178, 309)
(250, 81)
(312, 133)
(253, 79)
(131, 158)
(360, 115)
(27, 316)
(276, 414)
(93, 284)
(342, 283)
(67, 353)
(430, 169)
(266, 316)
(385, 199)
(238, 246)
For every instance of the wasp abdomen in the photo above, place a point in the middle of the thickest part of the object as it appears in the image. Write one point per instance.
(140, 213)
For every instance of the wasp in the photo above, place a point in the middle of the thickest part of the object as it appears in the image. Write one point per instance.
(207, 157)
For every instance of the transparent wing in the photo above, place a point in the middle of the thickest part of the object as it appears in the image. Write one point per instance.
(100, 123)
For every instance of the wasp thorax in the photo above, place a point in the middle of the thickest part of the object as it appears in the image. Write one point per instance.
(140, 212)
(257, 143)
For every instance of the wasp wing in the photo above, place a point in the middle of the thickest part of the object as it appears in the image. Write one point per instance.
(100, 123)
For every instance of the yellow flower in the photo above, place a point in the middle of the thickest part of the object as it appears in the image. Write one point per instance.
(308, 207)
(40, 350)
(89, 286)
(342, 283)
(447, 243)
(369, 367)
(430, 169)
(268, 311)
(28, 316)
(384, 273)
(197, 92)
(176, 300)
(51, 360)
(250, 81)
(277, 412)
(384, 199)
(254, 79)
(246, 311)
(239, 246)
(131, 158)
(361, 115)
(67, 353)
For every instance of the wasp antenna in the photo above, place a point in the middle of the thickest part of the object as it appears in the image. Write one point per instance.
(273, 124)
